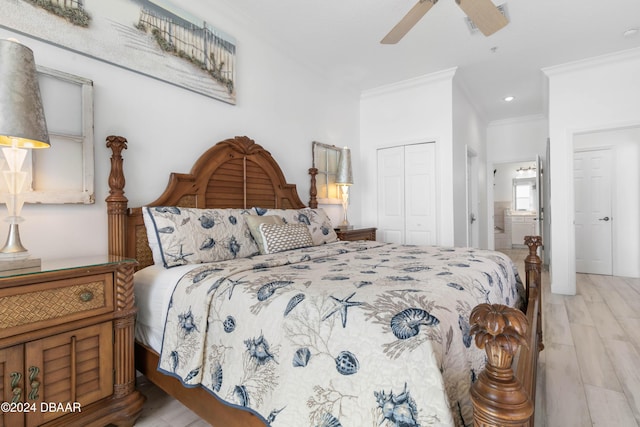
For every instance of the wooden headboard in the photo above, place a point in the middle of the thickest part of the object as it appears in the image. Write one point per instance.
(234, 173)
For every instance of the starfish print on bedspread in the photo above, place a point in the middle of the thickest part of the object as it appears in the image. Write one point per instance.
(180, 257)
(343, 305)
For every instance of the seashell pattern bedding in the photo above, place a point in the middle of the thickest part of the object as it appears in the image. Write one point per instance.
(344, 334)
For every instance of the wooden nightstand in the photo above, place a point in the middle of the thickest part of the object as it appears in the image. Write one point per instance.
(66, 344)
(356, 233)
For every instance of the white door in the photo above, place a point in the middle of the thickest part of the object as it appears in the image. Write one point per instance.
(406, 194)
(546, 205)
(420, 187)
(592, 186)
(539, 196)
(472, 200)
(391, 195)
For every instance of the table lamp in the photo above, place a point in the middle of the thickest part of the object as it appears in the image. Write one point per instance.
(22, 126)
(345, 179)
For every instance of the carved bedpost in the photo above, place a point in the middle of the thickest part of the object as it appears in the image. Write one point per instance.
(533, 270)
(313, 191)
(124, 381)
(499, 399)
(117, 202)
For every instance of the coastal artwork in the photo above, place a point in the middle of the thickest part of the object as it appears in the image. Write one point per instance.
(153, 38)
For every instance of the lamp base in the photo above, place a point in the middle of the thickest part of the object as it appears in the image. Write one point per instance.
(14, 256)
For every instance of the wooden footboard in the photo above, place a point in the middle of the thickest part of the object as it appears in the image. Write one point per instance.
(504, 393)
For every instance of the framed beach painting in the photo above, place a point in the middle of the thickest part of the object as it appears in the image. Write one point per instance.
(155, 38)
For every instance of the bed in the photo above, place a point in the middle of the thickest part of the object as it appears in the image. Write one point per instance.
(366, 333)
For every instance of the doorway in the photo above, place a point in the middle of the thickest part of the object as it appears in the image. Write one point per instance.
(516, 202)
(624, 146)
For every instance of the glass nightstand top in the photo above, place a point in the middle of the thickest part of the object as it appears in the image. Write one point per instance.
(66, 264)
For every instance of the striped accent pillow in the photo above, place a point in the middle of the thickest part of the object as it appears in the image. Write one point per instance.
(283, 237)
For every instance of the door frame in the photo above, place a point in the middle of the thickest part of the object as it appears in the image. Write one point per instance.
(570, 252)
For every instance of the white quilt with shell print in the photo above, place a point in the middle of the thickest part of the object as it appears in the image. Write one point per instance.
(346, 334)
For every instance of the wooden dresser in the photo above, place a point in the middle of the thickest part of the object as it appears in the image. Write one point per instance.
(356, 233)
(67, 344)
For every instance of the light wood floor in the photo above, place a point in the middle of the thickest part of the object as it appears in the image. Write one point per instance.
(589, 371)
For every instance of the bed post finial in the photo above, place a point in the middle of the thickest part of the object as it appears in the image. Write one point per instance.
(533, 262)
(116, 201)
(313, 191)
(499, 399)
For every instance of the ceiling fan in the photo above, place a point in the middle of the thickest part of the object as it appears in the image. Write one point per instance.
(484, 14)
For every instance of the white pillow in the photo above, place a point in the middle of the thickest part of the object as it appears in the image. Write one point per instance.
(284, 237)
(316, 220)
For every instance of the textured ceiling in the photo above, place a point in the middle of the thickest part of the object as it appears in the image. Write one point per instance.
(341, 38)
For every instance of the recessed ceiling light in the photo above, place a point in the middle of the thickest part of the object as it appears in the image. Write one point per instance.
(509, 98)
(630, 32)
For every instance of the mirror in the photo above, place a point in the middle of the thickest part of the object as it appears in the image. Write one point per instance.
(325, 159)
(524, 194)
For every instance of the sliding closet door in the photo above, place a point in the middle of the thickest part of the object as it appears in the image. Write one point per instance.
(419, 194)
(406, 194)
(391, 195)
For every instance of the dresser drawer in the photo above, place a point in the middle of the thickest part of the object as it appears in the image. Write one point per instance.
(42, 305)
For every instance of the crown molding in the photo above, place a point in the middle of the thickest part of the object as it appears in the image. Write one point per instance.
(410, 83)
(583, 64)
(518, 120)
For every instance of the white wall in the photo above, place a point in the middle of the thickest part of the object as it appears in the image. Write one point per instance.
(469, 132)
(625, 146)
(589, 95)
(412, 111)
(513, 140)
(516, 139)
(282, 104)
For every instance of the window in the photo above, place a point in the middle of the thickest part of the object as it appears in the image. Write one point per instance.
(523, 194)
(325, 159)
(63, 173)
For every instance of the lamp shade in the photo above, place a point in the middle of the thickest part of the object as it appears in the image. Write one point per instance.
(22, 121)
(345, 174)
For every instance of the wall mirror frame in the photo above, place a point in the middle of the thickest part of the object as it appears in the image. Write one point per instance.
(325, 159)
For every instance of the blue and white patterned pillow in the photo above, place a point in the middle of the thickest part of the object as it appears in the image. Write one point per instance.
(193, 236)
(316, 220)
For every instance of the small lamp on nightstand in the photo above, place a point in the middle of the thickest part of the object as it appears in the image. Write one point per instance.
(344, 179)
(22, 126)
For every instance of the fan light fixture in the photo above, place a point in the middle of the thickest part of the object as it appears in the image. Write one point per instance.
(509, 98)
(482, 15)
(22, 126)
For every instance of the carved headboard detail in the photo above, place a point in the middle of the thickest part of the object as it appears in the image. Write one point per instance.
(234, 173)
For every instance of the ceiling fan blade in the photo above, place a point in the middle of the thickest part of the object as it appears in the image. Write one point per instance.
(484, 14)
(408, 21)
